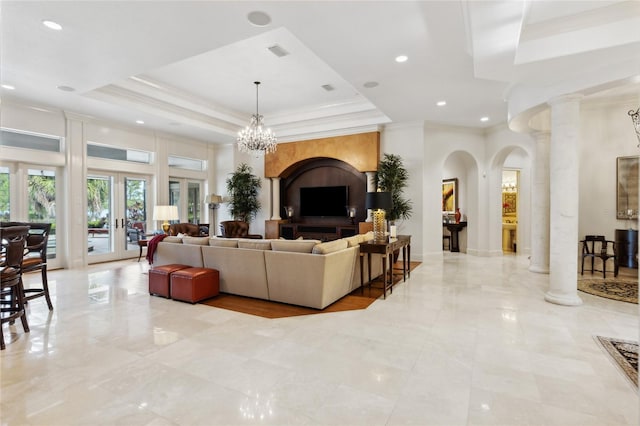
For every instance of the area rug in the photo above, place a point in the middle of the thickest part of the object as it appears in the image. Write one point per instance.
(357, 299)
(619, 288)
(625, 355)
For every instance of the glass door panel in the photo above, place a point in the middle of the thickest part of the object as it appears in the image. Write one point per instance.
(99, 227)
(189, 207)
(5, 194)
(41, 189)
(174, 198)
(116, 215)
(135, 202)
(193, 203)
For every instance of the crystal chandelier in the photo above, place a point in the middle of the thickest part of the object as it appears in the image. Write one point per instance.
(255, 139)
(635, 117)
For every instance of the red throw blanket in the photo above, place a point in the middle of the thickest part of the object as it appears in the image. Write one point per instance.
(152, 245)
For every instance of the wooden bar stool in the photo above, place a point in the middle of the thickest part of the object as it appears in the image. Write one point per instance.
(36, 258)
(13, 241)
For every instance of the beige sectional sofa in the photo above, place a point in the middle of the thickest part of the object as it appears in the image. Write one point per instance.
(300, 272)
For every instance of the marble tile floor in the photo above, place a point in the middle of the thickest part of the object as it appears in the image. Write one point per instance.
(465, 341)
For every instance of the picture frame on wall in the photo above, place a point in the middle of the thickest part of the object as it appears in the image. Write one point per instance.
(627, 194)
(449, 195)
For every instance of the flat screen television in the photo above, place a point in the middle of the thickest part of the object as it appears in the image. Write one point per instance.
(324, 201)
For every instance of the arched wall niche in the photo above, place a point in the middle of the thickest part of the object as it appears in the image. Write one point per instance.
(463, 166)
(320, 171)
(517, 158)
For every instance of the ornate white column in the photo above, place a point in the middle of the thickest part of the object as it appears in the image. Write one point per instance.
(275, 198)
(563, 223)
(540, 206)
(371, 187)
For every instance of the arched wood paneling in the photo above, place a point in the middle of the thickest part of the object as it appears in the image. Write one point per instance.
(361, 151)
(324, 172)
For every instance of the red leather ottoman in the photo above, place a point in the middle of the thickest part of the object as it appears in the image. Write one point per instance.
(159, 278)
(195, 284)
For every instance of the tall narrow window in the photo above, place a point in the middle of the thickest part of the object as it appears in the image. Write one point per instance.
(5, 199)
(41, 186)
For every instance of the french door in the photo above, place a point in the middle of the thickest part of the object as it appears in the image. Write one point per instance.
(116, 214)
(29, 193)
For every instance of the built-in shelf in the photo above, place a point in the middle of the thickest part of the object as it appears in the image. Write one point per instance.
(310, 231)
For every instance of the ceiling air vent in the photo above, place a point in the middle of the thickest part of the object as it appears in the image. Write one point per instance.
(278, 51)
(328, 87)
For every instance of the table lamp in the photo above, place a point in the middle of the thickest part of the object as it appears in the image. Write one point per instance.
(379, 202)
(165, 213)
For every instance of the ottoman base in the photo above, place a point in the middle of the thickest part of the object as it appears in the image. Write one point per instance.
(195, 284)
(159, 279)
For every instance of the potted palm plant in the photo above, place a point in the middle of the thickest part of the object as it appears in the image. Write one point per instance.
(242, 188)
(392, 177)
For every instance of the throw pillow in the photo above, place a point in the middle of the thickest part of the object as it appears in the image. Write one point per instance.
(200, 241)
(304, 246)
(223, 242)
(329, 247)
(172, 239)
(354, 241)
(255, 244)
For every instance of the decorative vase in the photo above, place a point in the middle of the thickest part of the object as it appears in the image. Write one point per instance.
(379, 225)
(457, 215)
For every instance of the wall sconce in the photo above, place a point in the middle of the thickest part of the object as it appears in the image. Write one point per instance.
(352, 215)
(288, 210)
(635, 118)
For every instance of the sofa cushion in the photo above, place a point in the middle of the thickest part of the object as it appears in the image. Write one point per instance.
(223, 242)
(200, 241)
(172, 239)
(302, 246)
(355, 240)
(255, 244)
(329, 247)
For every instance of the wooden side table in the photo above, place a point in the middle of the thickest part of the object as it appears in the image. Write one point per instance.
(386, 249)
(141, 243)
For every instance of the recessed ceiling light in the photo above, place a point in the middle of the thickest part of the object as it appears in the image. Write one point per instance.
(8, 87)
(139, 122)
(484, 119)
(51, 25)
(441, 103)
(371, 84)
(66, 88)
(402, 58)
(258, 18)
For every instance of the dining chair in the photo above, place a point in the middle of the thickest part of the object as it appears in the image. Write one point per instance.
(13, 241)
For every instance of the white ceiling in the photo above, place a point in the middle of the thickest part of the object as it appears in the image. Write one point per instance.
(188, 67)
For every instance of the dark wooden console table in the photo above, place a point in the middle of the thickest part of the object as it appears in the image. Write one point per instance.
(386, 249)
(455, 228)
(627, 248)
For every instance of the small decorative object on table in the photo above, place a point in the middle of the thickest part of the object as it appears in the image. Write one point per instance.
(352, 215)
(289, 211)
(458, 215)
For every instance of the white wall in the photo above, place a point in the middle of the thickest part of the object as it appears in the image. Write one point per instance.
(406, 140)
(606, 132)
